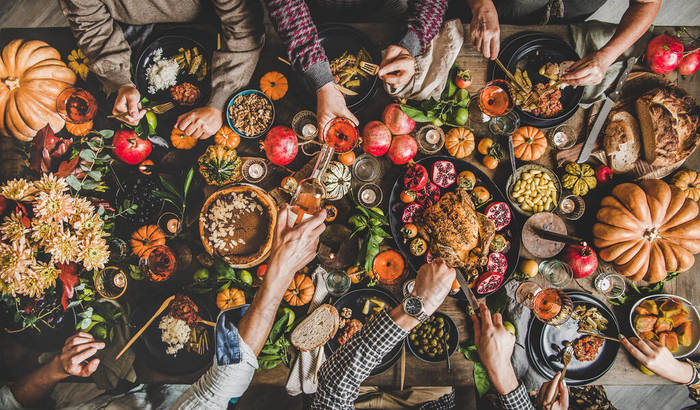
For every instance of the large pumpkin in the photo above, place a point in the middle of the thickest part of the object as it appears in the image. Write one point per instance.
(32, 75)
(647, 230)
(529, 143)
(145, 238)
(300, 291)
(459, 142)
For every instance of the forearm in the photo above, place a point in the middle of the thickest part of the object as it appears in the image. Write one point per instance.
(30, 390)
(423, 22)
(634, 23)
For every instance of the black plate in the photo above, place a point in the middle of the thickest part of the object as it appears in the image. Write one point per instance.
(338, 38)
(184, 362)
(541, 337)
(451, 344)
(511, 45)
(530, 53)
(355, 300)
(511, 232)
(170, 45)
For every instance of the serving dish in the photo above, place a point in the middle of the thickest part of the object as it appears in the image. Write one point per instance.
(510, 182)
(231, 103)
(694, 319)
(452, 342)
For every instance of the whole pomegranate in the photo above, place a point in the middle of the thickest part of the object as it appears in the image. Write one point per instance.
(582, 259)
(690, 63)
(280, 145)
(376, 138)
(131, 148)
(396, 120)
(664, 53)
(403, 149)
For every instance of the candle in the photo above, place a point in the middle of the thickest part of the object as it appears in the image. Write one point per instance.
(567, 205)
(172, 225)
(368, 196)
(256, 170)
(308, 130)
(560, 138)
(120, 280)
(432, 137)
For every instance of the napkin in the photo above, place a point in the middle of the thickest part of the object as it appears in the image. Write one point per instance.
(301, 376)
(433, 66)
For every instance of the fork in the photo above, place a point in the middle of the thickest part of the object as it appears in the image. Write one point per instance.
(157, 109)
(566, 359)
(369, 68)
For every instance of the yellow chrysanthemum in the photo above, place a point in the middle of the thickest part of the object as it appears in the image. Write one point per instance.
(40, 277)
(95, 253)
(54, 206)
(49, 183)
(43, 230)
(13, 229)
(82, 206)
(18, 190)
(64, 247)
(15, 260)
(78, 62)
(88, 224)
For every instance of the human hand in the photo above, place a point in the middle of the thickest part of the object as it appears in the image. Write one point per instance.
(495, 346)
(397, 67)
(589, 70)
(433, 283)
(547, 396)
(73, 359)
(330, 104)
(658, 359)
(128, 100)
(484, 30)
(293, 247)
(200, 123)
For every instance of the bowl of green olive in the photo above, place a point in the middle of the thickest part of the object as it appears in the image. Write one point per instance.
(428, 340)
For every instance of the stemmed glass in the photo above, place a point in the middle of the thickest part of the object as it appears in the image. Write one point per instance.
(76, 105)
(494, 100)
(551, 306)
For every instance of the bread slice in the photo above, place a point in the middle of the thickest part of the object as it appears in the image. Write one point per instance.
(318, 328)
(622, 141)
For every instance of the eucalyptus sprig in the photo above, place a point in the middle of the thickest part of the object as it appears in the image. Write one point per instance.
(94, 162)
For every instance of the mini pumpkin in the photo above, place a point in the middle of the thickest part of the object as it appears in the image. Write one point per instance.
(181, 140)
(230, 298)
(579, 178)
(529, 143)
(688, 181)
(274, 85)
(79, 130)
(336, 180)
(145, 238)
(220, 166)
(459, 142)
(300, 291)
(227, 137)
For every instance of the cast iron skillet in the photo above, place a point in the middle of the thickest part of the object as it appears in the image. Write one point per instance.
(336, 39)
(170, 45)
(530, 54)
(355, 300)
(184, 362)
(543, 357)
(511, 232)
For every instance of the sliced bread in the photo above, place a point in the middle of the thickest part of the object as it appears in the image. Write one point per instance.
(622, 141)
(318, 328)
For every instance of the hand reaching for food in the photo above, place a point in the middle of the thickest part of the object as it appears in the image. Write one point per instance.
(200, 123)
(433, 283)
(589, 70)
(330, 104)
(484, 31)
(495, 346)
(74, 359)
(658, 359)
(397, 67)
(128, 100)
(547, 396)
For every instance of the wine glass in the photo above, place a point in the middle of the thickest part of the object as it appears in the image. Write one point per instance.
(341, 134)
(494, 100)
(76, 105)
(551, 306)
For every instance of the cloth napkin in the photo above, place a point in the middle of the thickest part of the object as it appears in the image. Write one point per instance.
(301, 376)
(591, 36)
(433, 66)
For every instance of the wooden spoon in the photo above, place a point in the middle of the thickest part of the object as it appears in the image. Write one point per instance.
(160, 310)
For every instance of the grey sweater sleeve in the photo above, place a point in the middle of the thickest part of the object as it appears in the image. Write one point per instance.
(101, 39)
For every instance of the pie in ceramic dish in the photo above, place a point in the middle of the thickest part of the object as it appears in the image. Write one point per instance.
(237, 223)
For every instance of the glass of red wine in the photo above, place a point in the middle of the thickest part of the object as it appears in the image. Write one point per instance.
(76, 105)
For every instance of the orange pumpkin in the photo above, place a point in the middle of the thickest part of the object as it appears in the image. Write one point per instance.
(647, 230)
(459, 142)
(274, 85)
(32, 76)
(79, 130)
(145, 238)
(181, 140)
(529, 143)
(227, 137)
(230, 298)
(300, 291)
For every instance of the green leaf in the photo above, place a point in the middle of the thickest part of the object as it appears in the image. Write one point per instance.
(100, 332)
(107, 134)
(88, 155)
(96, 175)
(188, 182)
(97, 318)
(73, 304)
(152, 121)
(73, 182)
(414, 113)
(481, 379)
(169, 187)
(90, 184)
(470, 353)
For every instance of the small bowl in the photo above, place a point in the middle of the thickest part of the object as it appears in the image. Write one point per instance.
(694, 318)
(451, 344)
(247, 92)
(514, 177)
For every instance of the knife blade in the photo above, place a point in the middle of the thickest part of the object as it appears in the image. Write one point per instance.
(511, 154)
(602, 117)
(554, 236)
(464, 286)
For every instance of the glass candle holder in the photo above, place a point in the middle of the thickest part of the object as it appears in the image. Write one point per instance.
(305, 125)
(572, 207)
(366, 168)
(562, 137)
(110, 282)
(254, 170)
(369, 195)
(430, 139)
(557, 273)
(170, 224)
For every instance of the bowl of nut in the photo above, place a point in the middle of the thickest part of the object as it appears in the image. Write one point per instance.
(533, 188)
(250, 113)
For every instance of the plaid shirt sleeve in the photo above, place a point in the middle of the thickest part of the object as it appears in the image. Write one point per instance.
(341, 375)
(424, 19)
(518, 399)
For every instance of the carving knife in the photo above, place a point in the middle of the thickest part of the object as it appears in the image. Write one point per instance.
(602, 117)
(554, 236)
(464, 286)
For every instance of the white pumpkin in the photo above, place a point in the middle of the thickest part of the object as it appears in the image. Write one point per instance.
(336, 180)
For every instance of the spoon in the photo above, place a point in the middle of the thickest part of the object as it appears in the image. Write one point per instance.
(447, 354)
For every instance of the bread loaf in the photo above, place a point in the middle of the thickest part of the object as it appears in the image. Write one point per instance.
(668, 119)
(622, 141)
(318, 328)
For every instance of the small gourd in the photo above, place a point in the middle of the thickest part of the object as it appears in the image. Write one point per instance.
(336, 180)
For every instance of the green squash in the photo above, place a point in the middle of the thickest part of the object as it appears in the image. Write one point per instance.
(220, 165)
(336, 180)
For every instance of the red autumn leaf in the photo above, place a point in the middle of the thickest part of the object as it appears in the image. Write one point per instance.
(38, 144)
(66, 168)
(3, 204)
(69, 278)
